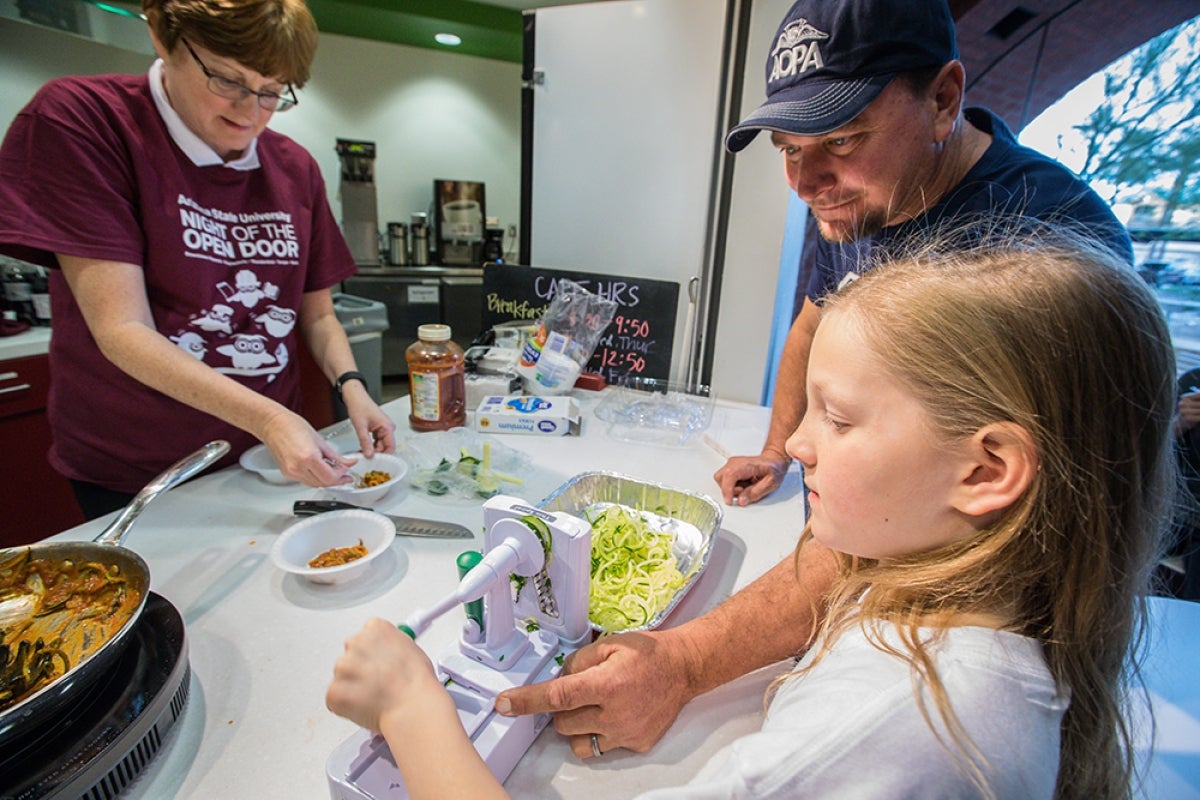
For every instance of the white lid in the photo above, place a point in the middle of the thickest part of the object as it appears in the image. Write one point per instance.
(433, 333)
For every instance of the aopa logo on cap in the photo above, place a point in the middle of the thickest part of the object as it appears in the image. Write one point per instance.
(796, 51)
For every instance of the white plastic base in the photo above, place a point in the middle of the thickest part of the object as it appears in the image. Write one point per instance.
(362, 767)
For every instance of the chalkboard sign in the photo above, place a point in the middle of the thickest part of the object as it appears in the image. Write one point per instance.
(639, 340)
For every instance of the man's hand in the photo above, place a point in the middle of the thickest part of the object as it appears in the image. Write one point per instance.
(1189, 413)
(748, 479)
(627, 689)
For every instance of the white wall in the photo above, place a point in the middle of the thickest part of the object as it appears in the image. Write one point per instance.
(431, 115)
(758, 211)
(623, 153)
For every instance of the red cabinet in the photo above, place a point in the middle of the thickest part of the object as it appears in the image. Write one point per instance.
(37, 501)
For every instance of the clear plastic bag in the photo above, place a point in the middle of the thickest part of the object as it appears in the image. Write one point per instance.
(462, 465)
(566, 337)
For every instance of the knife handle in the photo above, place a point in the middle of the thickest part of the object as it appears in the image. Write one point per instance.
(304, 508)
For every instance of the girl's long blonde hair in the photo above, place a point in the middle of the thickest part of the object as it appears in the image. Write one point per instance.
(1062, 339)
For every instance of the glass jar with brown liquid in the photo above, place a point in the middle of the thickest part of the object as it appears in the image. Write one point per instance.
(436, 380)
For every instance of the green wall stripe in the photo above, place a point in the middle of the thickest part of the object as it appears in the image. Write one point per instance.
(486, 31)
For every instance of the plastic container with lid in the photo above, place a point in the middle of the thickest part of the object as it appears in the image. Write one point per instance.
(436, 380)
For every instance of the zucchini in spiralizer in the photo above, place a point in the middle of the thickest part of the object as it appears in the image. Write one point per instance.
(634, 572)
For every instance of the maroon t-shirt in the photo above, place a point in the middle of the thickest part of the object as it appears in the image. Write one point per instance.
(88, 168)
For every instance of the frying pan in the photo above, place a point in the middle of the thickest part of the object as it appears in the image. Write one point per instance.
(92, 644)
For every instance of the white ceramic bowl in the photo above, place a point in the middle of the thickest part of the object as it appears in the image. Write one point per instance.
(396, 467)
(311, 536)
(259, 459)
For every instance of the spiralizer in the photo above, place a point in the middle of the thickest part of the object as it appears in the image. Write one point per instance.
(533, 579)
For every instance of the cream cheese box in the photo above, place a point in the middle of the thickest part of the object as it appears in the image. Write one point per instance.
(533, 414)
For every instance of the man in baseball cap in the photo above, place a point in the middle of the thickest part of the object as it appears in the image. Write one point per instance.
(829, 60)
(865, 100)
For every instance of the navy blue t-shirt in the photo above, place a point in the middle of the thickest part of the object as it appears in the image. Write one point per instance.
(1009, 179)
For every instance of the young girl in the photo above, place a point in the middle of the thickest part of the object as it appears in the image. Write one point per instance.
(987, 449)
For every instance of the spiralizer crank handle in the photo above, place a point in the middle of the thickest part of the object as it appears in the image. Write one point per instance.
(520, 553)
(419, 620)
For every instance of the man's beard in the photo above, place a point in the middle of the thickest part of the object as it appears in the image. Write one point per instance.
(870, 223)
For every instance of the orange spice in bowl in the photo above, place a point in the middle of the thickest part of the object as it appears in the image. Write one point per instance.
(336, 556)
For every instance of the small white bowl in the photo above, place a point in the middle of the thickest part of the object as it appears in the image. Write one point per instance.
(396, 467)
(259, 459)
(311, 536)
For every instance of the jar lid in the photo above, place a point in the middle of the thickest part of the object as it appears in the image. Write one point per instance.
(433, 333)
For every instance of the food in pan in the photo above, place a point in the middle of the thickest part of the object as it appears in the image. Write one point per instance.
(336, 556)
(634, 571)
(373, 477)
(27, 666)
(76, 607)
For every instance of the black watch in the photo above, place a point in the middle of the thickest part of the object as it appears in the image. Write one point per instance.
(348, 376)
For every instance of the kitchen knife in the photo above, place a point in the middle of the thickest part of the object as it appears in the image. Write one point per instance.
(405, 526)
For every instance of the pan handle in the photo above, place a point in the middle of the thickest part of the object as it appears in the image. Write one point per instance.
(177, 473)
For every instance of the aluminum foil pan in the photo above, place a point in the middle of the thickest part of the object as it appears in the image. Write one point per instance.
(699, 515)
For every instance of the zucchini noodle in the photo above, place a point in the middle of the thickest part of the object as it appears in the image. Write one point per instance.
(634, 573)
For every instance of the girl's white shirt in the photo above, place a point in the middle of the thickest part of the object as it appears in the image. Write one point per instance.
(853, 728)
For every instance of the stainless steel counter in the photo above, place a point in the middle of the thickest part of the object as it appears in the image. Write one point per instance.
(432, 270)
(416, 296)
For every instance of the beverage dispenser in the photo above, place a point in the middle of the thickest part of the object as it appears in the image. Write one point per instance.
(360, 214)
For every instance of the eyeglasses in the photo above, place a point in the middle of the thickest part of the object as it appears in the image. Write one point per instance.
(232, 90)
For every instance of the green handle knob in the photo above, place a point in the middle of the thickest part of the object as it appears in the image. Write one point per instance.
(466, 562)
(411, 633)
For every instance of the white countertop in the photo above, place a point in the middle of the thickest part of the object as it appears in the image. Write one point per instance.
(262, 643)
(33, 342)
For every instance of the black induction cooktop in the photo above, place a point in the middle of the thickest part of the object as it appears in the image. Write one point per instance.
(95, 747)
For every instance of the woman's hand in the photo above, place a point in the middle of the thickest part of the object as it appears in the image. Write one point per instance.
(375, 430)
(303, 454)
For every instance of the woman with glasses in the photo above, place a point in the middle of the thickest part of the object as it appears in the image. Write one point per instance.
(192, 250)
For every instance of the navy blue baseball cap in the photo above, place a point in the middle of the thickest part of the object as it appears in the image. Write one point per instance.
(831, 58)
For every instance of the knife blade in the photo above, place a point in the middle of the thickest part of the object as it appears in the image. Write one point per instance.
(405, 526)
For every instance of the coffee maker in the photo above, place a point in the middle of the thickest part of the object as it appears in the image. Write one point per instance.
(493, 242)
(458, 216)
(360, 214)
